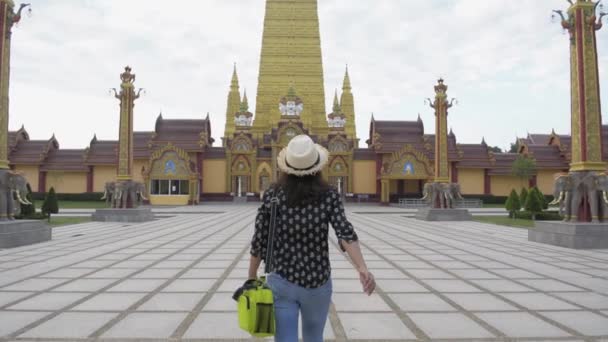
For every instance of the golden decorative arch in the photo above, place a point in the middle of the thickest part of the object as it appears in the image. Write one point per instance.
(338, 145)
(242, 144)
(170, 162)
(263, 176)
(338, 167)
(241, 166)
(407, 163)
(285, 133)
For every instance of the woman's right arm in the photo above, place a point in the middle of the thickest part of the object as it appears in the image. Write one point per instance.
(348, 240)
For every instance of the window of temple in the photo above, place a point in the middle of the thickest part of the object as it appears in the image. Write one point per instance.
(169, 187)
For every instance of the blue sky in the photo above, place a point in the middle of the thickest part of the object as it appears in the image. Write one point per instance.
(505, 61)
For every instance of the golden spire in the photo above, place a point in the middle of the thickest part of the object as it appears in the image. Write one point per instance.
(346, 82)
(233, 104)
(336, 107)
(244, 103)
(347, 105)
(234, 83)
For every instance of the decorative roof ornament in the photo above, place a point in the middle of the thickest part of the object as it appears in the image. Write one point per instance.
(243, 118)
(336, 119)
(291, 105)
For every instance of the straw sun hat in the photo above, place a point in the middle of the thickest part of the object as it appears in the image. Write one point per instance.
(302, 157)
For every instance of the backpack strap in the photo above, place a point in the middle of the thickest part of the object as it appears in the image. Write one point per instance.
(273, 220)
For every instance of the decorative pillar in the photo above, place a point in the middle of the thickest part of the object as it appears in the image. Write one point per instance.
(441, 106)
(127, 97)
(42, 181)
(487, 183)
(385, 191)
(199, 166)
(587, 166)
(90, 178)
(8, 18)
(586, 123)
(378, 175)
(454, 173)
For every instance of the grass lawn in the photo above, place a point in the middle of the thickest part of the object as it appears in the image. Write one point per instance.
(76, 204)
(505, 221)
(62, 221)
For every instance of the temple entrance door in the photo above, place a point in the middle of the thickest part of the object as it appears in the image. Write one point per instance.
(240, 185)
(340, 183)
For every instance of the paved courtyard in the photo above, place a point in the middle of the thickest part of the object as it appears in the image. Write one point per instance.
(173, 278)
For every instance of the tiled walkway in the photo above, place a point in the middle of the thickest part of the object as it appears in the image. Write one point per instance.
(173, 278)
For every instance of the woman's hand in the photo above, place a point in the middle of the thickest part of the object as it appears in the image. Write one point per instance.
(367, 281)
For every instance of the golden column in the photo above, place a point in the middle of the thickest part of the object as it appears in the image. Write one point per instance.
(586, 120)
(291, 56)
(8, 18)
(441, 106)
(127, 97)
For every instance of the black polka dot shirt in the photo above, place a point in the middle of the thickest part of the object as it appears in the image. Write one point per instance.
(300, 252)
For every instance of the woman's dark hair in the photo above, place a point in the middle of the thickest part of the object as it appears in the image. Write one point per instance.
(302, 190)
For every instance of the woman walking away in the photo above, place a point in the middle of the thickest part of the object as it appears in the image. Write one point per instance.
(300, 276)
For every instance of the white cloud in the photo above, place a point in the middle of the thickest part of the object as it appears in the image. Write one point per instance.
(505, 61)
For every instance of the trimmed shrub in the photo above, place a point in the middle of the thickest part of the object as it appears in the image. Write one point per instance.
(50, 205)
(523, 196)
(512, 205)
(533, 204)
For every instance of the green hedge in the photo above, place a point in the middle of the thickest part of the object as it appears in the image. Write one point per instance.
(488, 199)
(548, 215)
(85, 196)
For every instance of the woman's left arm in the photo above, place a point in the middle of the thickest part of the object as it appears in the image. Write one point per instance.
(260, 237)
(254, 264)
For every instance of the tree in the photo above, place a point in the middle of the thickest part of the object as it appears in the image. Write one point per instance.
(523, 197)
(541, 198)
(494, 149)
(533, 204)
(28, 209)
(514, 147)
(50, 205)
(513, 205)
(523, 168)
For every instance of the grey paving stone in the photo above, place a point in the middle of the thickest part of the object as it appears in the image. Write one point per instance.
(157, 273)
(450, 265)
(35, 284)
(409, 265)
(213, 264)
(210, 273)
(359, 302)
(146, 325)
(490, 264)
(70, 325)
(442, 285)
(388, 274)
(133, 264)
(521, 324)
(420, 302)
(136, 285)
(501, 285)
(190, 285)
(15, 320)
(221, 302)
(538, 301)
(172, 302)
(517, 274)
(84, 285)
(449, 325)
(429, 274)
(48, 301)
(585, 322)
(393, 285)
(216, 325)
(549, 285)
(475, 274)
(388, 326)
(479, 302)
(344, 273)
(109, 302)
(9, 297)
(230, 285)
(348, 285)
(115, 273)
(68, 273)
(173, 264)
(96, 263)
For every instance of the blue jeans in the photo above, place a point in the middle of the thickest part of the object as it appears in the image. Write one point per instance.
(289, 299)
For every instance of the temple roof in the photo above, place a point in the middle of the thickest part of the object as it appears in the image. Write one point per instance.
(65, 160)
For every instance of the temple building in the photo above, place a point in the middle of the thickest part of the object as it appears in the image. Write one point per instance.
(180, 164)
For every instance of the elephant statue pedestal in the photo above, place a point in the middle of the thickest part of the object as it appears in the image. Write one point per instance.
(582, 197)
(17, 233)
(123, 215)
(441, 198)
(125, 198)
(439, 214)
